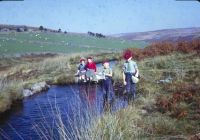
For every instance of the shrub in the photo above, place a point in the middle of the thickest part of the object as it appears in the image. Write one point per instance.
(41, 28)
(164, 48)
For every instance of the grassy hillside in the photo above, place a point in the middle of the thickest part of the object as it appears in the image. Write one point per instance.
(179, 34)
(37, 42)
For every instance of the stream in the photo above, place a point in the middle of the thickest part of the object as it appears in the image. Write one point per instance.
(31, 116)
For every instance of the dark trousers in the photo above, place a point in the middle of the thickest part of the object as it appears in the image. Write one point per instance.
(130, 86)
(108, 90)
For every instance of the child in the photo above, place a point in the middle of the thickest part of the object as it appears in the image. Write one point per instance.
(107, 83)
(81, 70)
(129, 69)
(90, 70)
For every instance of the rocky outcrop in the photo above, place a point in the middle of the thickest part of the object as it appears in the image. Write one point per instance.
(36, 88)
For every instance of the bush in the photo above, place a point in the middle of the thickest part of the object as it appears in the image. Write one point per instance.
(164, 48)
(41, 28)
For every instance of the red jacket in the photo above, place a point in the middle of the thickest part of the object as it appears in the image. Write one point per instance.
(91, 65)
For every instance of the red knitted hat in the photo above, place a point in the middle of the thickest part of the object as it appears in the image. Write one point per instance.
(127, 54)
(89, 57)
(105, 61)
(82, 60)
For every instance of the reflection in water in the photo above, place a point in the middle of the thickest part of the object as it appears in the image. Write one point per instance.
(91, 93)
(88, 94)
(16, 108)
(72, 103)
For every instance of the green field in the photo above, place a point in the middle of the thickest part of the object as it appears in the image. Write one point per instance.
(37, 42)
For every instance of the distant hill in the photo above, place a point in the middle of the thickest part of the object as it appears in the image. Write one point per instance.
(23, 28)
(162, 35)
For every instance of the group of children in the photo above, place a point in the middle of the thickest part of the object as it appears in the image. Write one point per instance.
(87, 72)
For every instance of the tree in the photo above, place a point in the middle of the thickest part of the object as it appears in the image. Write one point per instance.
(59, 30)
(41, 28)
(99, 35)
(20, 29)
(91, 33)
(25, 28)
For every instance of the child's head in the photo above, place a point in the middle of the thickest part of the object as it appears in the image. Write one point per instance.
(127, 55)
(106, 64)
(89, 59)
(82, 61)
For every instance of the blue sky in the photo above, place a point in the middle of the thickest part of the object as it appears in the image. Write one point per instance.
(105, 16)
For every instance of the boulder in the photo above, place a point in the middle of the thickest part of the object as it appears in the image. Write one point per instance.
(167, 80)
(39, 87)
(26, 71)
(27, 93)
(143, 112)
(36, 88)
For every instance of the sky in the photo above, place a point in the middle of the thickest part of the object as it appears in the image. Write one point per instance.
(102, 16)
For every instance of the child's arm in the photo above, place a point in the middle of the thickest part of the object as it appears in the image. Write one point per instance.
(86, 66)
(78, 70)
(123, 74)
(123, 77)
(137, 73)
(95, 68)
(137, 70)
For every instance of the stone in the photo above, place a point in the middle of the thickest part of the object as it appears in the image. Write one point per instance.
(26, 71)
(39, 87)
(36, 88)
(168, 80)
(27, 93)
(143, 111)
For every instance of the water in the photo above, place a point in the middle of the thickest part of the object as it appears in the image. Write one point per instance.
(71, 102)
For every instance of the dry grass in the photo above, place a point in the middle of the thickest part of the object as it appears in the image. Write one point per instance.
(141, 119)
(9, 92)
(56, 70)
